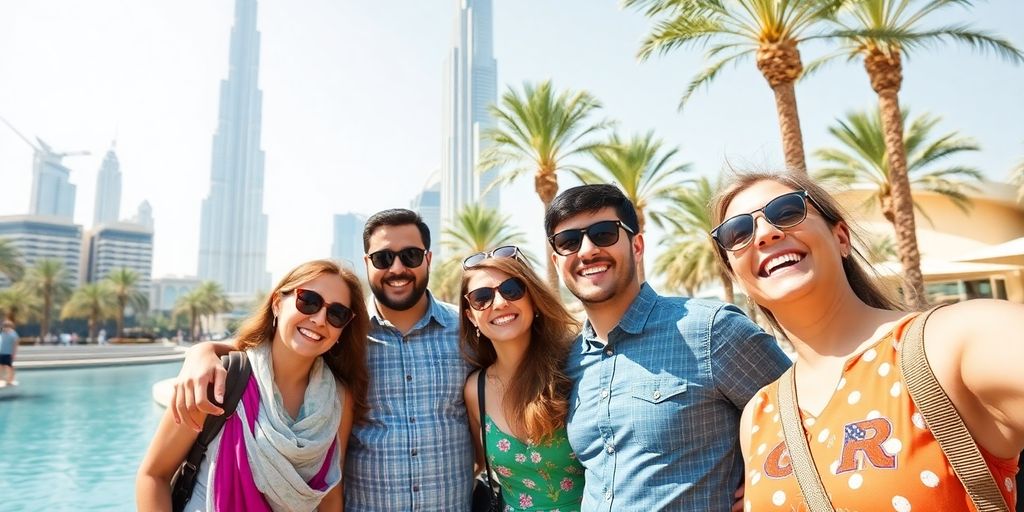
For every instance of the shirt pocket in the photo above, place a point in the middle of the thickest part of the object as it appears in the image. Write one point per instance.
(656, 409)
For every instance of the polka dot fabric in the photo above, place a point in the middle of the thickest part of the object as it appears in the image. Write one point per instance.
(872, 448)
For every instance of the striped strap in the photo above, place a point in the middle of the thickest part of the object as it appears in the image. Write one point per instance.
(796, 441)
(945, 423)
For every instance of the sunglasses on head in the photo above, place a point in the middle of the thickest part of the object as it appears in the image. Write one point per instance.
(411, 257)
(510, 289)
(601, 234)
(505, 251)
(783, 212)
(310, 303)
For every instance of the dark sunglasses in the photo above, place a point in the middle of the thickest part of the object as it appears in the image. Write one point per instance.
(411, 257)
(602, 234)
(505, 251)
(510, 289)
(783, 212)
(309, 302)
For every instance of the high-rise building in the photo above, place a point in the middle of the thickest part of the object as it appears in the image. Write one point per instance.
(43, 237)
(233, 232)
(347, 246)
(108, 190)
(165, 291)
(143, 215)
(108, 247)
(428, 204)
(471, 87)
(53, 194)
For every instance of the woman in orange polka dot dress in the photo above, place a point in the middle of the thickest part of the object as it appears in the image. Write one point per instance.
(787, 244)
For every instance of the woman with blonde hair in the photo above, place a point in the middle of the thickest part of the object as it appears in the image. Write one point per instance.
(284, 447)
(516, 330)
(845, 413)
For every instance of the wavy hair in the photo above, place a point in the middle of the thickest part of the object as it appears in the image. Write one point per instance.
(863, 282)
(347, 358)
(536, 400)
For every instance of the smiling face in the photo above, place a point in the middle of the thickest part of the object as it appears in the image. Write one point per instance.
(505, 320)
(785, 264)
(310, 336)
(397, 287)
(597, 274)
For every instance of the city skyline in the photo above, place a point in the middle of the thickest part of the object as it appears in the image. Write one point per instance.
(354, 102)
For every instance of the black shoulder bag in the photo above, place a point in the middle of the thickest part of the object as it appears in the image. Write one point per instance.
(184, 480)
(486, 493)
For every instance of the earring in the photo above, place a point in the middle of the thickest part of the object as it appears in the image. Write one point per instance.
(275, 322)
(477, 333)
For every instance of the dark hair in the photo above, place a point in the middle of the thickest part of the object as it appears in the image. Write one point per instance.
(863, 282)
(588, 199)
(536, 400)
(346, 359)
(395, 217)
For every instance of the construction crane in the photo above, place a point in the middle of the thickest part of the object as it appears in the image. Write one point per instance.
(44, 153)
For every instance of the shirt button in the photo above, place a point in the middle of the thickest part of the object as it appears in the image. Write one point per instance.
(415, 488)
(412, 420)
(657, 394)
(610, 449)
(415, 453)
(408, 378)
(608, 496)
(604, 393)
(609, 352)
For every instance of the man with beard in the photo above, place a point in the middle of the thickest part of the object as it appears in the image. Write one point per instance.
(658, 383)
(414, 452)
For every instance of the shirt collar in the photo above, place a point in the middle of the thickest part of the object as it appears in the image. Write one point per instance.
(435, 311)
(635, 318)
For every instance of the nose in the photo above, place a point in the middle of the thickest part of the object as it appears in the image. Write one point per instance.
(397, 267)
(765, 233)
(587, 247)
(319, 317)
(499, 301)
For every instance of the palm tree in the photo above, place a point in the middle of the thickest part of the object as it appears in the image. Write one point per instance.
(191, 303)
(10, 260)
(538, 131)
(49, 279)
(862, 159)
(770, 30)
(124, 283)
(19, 302)
(642, 170)
(93, 301)
(881, 32)
(477, 228)
(689, 260)
(878, 248)
(215, 301)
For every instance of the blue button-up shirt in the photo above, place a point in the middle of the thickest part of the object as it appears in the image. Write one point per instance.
(415, 453)
(654, 414)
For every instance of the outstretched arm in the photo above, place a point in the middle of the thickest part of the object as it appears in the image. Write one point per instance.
(166, 452)
(976, 349)
(189, 400)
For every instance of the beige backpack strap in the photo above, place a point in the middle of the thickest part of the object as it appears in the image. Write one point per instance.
(800, 457)
(945, 423)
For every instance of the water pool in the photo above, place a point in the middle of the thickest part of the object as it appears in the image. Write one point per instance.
(72, 439)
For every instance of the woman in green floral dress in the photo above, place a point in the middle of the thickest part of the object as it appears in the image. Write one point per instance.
(517, 329)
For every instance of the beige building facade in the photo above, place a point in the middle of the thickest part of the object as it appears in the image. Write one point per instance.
(963, 254)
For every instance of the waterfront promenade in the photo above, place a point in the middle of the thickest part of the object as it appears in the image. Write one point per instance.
(33, 357)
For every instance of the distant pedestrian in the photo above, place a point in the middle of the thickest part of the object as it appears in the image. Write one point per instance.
(65, 339)
(101, 338)
(8, 349)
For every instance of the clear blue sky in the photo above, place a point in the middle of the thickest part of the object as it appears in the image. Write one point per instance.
(352, 101)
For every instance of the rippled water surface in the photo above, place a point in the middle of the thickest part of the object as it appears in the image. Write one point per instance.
(72, 439)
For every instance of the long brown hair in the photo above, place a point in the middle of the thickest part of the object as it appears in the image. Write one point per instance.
(347, 358)
(863, 282)
(536, 400)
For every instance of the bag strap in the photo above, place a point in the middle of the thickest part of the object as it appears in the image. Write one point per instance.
(945, 423)
(800, 458)
(237, 364)
(480, 381)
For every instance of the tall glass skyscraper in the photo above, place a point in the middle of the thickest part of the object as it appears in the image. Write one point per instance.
(233, 234)
(108, 190)
(471, 87)
(53, 194)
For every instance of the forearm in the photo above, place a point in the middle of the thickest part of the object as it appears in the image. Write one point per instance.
(152, 493)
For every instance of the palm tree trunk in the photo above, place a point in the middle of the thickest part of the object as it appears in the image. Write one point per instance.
(886, 73)
(546, 184)
(120, 317)
(780, 64)
(93, 320)
(640, 222)
(44, 325)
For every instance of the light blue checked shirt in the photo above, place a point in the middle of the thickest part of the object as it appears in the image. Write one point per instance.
(654, 415)
(415, 452)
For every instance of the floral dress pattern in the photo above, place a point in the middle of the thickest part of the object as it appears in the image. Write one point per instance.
(536, 477)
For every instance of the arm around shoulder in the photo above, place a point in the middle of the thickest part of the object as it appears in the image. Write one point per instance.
(473, 412)
(744, 358)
